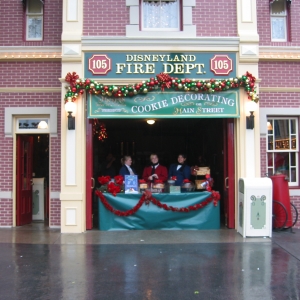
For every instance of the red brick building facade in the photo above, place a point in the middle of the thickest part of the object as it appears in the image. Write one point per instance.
(31, 69)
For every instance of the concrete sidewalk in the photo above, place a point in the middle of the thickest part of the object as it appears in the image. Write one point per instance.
(38, 263)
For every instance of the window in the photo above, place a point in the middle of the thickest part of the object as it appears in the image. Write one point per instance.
(32, 123)
(34, 20)
(161, 14)
(283, 148)
(279, 20)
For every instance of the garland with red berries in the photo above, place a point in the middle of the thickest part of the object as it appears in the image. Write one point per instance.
(161, 81)
(147, 198)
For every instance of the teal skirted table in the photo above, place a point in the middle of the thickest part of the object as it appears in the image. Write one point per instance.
(150, 216)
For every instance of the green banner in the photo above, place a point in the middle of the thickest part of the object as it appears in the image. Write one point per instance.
(166, 105)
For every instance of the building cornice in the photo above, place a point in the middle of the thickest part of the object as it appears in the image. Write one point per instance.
(29, 53)
(280, 53)
(169, 44)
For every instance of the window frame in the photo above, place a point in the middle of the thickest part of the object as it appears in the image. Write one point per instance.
(180, 18)
(285, 17)
(271, 133)
(32, 129)
(28, 15)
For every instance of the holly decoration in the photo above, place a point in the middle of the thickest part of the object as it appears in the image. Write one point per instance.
(162, 81)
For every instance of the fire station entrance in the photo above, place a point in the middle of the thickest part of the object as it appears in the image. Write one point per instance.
(209, 140)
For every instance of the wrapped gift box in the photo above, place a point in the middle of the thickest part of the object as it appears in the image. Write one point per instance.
(203, 171)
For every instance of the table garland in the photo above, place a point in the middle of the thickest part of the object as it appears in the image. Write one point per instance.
(147, 198)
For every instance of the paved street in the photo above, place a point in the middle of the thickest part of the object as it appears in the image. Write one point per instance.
(38, 263)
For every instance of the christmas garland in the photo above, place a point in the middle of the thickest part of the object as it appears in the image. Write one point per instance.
(161, 81)
(147, 198)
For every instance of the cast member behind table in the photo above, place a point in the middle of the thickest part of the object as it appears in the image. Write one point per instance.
(155, 170)
(108, 167)
(126, 168)
(180, 170)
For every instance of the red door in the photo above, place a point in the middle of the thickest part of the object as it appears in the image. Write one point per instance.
(90, 182)
(229, 172)
(24, 179)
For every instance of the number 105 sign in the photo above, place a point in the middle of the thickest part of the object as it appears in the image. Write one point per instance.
(221, 64)
(100, 64)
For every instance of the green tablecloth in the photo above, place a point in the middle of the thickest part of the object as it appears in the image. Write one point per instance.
(152, 217)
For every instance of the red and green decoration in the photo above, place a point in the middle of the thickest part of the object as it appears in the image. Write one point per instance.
(162, 81)
(147, 197)
(99, 130)
(115, 187)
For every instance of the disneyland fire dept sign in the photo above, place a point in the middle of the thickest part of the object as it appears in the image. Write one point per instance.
(145, 65)
(165, 105)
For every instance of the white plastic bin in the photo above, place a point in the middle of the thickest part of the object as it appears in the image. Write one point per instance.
(255, 207)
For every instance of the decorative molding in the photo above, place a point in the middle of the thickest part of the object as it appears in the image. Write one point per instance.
(264, 113)
(247, 11)
(200, 43)
(292, 49)
(279, 53)
(249, 50)
(54, 195)
(70, 157)
(71, 216)
(37, 53)
(11, 112)
(72, 10)
(6, 195)
(69, 59)
(71, 49)
(71, 196)
(294, 192)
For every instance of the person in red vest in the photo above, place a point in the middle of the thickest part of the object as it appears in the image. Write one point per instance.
(155, 171)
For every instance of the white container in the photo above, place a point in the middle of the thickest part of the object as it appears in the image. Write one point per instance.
(255, 207)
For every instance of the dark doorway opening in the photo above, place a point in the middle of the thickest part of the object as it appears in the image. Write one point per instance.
(167, 138)
(32, 178)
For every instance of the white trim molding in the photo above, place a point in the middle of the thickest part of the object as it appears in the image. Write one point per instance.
(201, 44)
(264, 113)
(6, 195)
(11, 112)
(133, 29)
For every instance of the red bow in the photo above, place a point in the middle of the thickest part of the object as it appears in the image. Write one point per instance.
(165, 80)
(71, 78)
